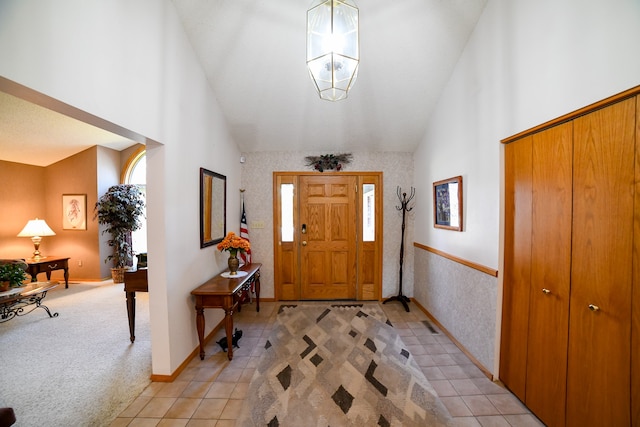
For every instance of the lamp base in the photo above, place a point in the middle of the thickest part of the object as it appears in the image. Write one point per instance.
(36, 245)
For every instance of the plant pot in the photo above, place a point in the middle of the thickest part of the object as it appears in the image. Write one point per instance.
(4, 286)
(117, 274)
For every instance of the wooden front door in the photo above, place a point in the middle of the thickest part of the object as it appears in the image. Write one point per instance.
(327, 236)
(328, 228)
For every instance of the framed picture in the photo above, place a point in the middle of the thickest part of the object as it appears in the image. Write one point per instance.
(447, 204)
(74, 211)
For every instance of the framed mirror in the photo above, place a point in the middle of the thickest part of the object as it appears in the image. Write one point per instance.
(447, 204)
(213, 207)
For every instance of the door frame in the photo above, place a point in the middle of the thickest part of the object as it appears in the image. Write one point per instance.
(368, 278)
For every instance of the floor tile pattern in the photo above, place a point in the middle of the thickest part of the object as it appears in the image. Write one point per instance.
(211, 392)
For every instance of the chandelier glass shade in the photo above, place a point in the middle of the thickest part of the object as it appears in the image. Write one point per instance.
(333, 51)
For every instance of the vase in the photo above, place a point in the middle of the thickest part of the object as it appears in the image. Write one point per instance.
(233, 262)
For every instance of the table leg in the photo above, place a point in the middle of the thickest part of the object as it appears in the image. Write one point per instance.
(39, 304)
(66, 277)
(257, 288)
(228, 327)
(131, 313)
(200, 328)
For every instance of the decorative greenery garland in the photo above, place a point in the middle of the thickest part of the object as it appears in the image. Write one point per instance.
(329, 161)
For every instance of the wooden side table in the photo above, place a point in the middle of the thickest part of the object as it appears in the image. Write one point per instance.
(47, 265)
(225, 293)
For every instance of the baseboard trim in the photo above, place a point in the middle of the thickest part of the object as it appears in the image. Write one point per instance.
(455, 341)
(195, 352)
(185, 363)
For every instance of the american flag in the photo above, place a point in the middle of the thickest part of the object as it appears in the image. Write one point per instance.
(244, 233)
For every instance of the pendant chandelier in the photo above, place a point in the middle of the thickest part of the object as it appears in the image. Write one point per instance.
(333, 51)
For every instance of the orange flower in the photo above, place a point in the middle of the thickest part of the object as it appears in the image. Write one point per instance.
(231, 242)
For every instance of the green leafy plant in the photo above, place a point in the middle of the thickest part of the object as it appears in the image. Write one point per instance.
(329, 161)
(120, 209)
(14, 273)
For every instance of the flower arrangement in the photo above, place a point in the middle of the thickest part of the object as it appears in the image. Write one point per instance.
(234, 243)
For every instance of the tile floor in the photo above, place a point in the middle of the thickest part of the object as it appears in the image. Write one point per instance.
(210, 392)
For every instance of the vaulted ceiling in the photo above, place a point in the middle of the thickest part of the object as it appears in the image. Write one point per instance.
(254, 52)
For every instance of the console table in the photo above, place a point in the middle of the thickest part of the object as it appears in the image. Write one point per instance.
(225, 293)
(14, 301)
(47, 265)
(134, 281)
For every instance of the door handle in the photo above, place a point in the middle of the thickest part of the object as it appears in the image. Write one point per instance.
(546, 291)
(304, 228)
(593, 307)
(304, 243)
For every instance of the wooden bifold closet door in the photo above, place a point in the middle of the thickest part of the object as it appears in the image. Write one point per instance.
(570, 346)
(537, 270)
(550, 273)
(599, 358)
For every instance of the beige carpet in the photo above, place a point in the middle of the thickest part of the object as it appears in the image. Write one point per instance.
(338, 365)
(77, 369)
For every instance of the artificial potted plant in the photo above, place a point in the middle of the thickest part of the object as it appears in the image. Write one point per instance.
(12, 275)
(120, 209)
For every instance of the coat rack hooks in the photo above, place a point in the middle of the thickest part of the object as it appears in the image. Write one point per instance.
(404, 207)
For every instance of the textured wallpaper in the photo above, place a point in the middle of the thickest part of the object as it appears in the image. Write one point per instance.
(397, 169)
(462, 299)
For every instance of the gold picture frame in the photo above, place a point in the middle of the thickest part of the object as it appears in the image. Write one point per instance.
(447, 204)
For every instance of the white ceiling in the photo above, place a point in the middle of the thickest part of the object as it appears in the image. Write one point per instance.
(38, 136)
(253, 53)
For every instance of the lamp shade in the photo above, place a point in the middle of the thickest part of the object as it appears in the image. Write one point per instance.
(333, 51)
(36, 227)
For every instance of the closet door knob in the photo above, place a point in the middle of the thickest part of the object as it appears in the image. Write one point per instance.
(546, 291)
(304, 243)
(593, 307)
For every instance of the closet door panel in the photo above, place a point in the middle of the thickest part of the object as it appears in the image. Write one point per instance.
(550, 274)
(635, 304)
(598, 376)
(517, 266)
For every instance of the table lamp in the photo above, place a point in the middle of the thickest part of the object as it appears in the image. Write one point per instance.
(36, 229)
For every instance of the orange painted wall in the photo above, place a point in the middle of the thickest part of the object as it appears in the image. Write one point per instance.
(28, 191)
(21, 199)
(74, 175)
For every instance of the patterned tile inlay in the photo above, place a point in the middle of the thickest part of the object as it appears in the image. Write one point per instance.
(338, 365)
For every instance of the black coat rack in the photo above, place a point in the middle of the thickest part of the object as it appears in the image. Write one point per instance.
(404, 207)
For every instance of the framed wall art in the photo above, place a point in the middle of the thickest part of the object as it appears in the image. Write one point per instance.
(447, 204)
(74, 211)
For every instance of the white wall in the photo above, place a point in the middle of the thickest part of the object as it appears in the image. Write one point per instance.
(527, 62)
(131, 64)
